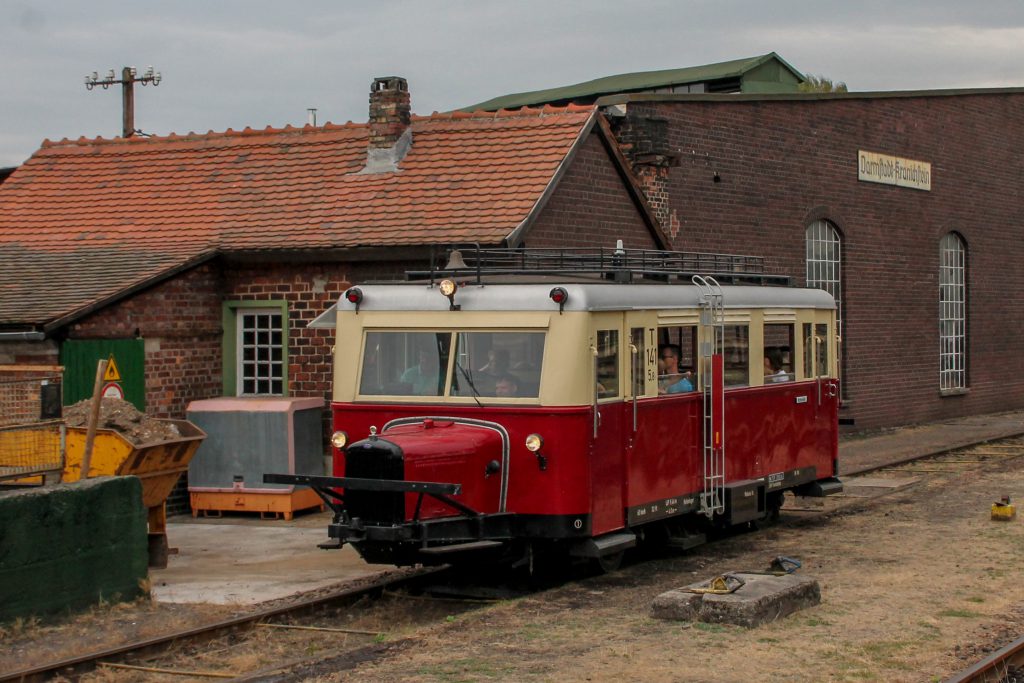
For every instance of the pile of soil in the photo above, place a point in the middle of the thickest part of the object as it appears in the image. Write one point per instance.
(124, 418)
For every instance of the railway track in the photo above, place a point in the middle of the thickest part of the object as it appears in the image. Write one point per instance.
(1003, 666)
(149, 656)
(126, 656)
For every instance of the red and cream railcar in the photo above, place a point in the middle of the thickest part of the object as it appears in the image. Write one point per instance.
(488, 420)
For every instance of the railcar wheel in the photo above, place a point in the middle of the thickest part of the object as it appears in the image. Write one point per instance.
(773, 505)
(607, 564)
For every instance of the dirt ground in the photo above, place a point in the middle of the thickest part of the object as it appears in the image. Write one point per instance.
(915, 586)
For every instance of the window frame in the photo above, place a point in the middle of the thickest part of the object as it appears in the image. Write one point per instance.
(953, 312)
(230, 318)
(447, 396)
(826, 273)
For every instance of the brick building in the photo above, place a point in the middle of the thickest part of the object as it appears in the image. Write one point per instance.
(176, 252)
(926, 271)
(904, 205)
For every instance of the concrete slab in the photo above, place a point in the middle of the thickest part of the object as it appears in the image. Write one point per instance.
(762, 598)
(866, 487)
(244, 561)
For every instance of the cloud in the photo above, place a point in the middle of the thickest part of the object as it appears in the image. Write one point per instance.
(237, 63)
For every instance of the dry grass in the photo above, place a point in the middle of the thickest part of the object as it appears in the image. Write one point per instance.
(914, 586)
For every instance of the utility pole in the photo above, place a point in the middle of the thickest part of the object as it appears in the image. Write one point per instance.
(128, 80)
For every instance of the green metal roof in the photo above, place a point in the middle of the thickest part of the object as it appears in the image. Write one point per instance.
(765, 73)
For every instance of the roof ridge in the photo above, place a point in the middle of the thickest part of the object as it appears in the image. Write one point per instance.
(248, 131)
(193, 136)
(525, 111)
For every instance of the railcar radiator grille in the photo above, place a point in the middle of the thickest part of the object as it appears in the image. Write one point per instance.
(375, 460)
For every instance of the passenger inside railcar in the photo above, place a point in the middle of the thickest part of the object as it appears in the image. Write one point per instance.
(672, 379)
(506, 386)
(423, 377)
(774, 370)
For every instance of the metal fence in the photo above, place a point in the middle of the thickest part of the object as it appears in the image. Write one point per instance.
(31, 431)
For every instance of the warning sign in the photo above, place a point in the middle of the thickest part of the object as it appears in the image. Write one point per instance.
(113, 390)
(112, 374)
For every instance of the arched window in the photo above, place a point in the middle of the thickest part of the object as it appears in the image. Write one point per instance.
(824, 251)
(952, 313)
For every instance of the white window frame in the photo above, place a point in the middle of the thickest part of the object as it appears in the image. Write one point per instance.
(952, 314)
(824, 247)
(267, 364)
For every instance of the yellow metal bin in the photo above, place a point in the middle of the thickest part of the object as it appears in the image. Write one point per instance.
(158, 464)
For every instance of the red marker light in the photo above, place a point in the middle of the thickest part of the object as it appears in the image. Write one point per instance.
(354, 295)
(559, 295)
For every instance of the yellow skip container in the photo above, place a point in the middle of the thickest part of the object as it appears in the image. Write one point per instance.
(157, 464)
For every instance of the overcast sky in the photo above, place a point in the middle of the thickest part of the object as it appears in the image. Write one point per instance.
(231, 64)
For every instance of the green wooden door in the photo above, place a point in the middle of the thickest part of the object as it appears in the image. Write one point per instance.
(80, 356)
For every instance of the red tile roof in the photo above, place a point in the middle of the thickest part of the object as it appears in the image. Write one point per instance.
(143, 205)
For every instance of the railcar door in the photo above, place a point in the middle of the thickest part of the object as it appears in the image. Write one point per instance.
(609, 346)
(820, 364)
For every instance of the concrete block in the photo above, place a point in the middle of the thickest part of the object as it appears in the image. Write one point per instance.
(677, 605)
(763, 598)
(69, 546)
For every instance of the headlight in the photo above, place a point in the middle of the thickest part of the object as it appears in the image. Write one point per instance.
(534, 442)
(339, 439)
(448, 287)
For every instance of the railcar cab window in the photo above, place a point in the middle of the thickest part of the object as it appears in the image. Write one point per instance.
(736, 346)
(607, 363)
(501, 364)
(778, 353)
(486, 364)
(677, 353)
(405, 363)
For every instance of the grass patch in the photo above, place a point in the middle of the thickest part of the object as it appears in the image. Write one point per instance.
(960, 613)
(470, 669)
(975, 599)
(709, 628)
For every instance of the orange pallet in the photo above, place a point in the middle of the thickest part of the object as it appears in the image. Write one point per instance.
(269, 505)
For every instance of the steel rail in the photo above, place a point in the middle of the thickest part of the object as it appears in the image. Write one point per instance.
(993, 668)
(79, 664)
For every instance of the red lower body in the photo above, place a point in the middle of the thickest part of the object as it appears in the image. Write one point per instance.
(628, 473)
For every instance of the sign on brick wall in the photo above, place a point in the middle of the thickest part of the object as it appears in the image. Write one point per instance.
(873, 167)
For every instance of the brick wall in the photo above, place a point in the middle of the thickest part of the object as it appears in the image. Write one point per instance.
(29, 353)
(590, 207)
(180, 321)
(783, 164)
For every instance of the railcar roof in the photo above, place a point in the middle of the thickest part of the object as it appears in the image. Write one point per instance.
(582, 297)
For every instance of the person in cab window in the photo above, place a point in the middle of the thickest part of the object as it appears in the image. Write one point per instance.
(773, 367)
(422, 377)
(505, 386)
(672, 381)
(497, 362)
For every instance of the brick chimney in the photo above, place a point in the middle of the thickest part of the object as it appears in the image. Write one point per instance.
(390, 134)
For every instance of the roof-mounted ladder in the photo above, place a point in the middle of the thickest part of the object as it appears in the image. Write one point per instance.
(712, 343)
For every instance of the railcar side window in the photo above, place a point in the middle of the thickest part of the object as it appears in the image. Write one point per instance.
(405, 363)
(737, 355)
(501, 364)
(677, 359)
(815, 350)
(778, 353)
(607, 363)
